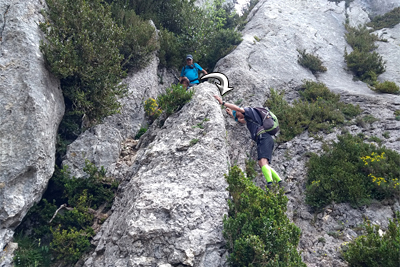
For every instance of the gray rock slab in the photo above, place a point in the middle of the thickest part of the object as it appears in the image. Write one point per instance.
(170, 209)
(256, 66)
(32, 106)
(102, 143)
(282, 27)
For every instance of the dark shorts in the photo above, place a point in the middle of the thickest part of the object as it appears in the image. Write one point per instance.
(265, 146)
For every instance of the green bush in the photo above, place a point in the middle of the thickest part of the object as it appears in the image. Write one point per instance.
(174, 98)
(139, 37)
(257, 231)
(310, 61)
(319, 109)
(31, 253)
(82, 49)
(68, 234)
(385, 87)
(366, 66)
(374, 250)
(352, 171)
(388, 20)
(360, 38)
(141, 132)
(207, 33)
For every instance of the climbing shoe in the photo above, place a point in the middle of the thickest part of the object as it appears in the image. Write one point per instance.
(285, 187)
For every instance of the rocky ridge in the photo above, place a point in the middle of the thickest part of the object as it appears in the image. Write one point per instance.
(170, 206)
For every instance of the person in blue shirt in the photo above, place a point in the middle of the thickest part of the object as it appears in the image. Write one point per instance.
(191, 71)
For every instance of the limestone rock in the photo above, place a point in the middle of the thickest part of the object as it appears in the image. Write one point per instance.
(32, 106)
(170, 209)
(102, 143)
(282, 26)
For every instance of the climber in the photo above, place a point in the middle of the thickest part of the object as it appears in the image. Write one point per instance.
(190, 71)
(184, 82)
(265, 143)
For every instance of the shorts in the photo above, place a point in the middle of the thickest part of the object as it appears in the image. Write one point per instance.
(265, 146)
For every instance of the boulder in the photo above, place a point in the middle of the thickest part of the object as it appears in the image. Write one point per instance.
(170, 208)
(32, 106)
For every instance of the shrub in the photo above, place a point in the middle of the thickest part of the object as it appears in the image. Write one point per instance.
(208, 33)
(257, 231)
(352, 171)
(139, 37)
(82, 49)
(360, 38)
(372, 249)
(388, 20)
(151, 109)
(67, 234)
(174, 98)
(319, 109)
(365, 65)
(141, 132)
(385, 87)
(31, 252)
(310, 61)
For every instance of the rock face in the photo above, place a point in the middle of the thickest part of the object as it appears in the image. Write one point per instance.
(31, 106)
(102, 144)
(255, 66)
(170, 207)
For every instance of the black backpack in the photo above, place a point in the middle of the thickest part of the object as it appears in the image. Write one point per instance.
(270, 121)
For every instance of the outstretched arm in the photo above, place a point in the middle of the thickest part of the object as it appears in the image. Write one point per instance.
(229, 105)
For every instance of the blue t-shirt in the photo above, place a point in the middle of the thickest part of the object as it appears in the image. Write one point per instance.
(191, 72)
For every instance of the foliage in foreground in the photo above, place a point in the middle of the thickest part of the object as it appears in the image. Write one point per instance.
(257, 231)
(318, 110)
(313, 63)
(352, 171)
(374, 250)
(68, 235)
(388, 20)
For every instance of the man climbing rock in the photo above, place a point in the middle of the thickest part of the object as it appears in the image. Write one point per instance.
(191, 71)
(265, 144)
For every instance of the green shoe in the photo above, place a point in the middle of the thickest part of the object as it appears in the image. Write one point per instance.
(285, 187)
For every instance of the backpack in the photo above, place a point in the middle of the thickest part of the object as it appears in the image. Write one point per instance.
(270, 121)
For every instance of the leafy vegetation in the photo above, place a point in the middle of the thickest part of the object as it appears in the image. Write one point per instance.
(386, 87)
(388, 20)
(151, 109)
(372, 249)
(141, 132)
(83, 51)
(352, 171)
(63, 233)
(257, 231)
(365, 63)
(313, 63)
(319, 109)
(207, 33)
(31, 253)
(174, 98)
